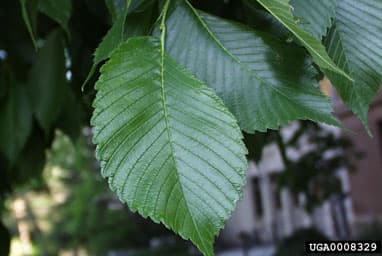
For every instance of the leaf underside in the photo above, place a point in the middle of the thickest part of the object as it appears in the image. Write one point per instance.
(355, 44)
(315, 16)
(263, 81)
(167, 144)
(282, 10)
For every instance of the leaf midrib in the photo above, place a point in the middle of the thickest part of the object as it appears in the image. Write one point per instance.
(165, 112)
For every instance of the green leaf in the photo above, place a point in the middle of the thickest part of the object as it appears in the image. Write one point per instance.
(112, 39)
(169, 147)
(355, 44)
(15, 120)
(58, 10)
(125, 26)
(140, 5)
(47, 82)
(263, 81)
(29, 13)
(115, 7)
(315, 16)
(282, 11)
(135, 6)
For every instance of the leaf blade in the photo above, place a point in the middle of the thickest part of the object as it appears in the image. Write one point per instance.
(57, 10)
(247, 69)
(126, 25)
(359, 51)
(315, 15)
(158, 146)
(281, 10)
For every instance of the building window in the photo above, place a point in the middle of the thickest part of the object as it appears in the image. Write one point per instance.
(259, 210)
(275, 190)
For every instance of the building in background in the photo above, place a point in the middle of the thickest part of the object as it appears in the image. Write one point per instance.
(366, 183)
(265, 216)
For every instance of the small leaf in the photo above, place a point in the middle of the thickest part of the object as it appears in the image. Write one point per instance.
(124, 27)
(15, 120)
(315, 16)
(47, 82)
(263, 81)
(58, 10)
(282, 11)
(169, 147)
(355, 44)
(115, 7)
(29, 13)
(140, 5)
(112, 39)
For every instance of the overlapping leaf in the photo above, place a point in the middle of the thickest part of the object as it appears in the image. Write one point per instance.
(58, 10)
(115, 7)
(355, 43)
(15, 120)
(315, 16)
(167, 144)
(47, 84)
(125, 26)
(282, 11)
(29, 14)
(263, 81)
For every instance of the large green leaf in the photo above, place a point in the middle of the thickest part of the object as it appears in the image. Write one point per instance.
(282, 11)
(15, 121)
(47, 82)
(315, 16)
(264, 82)
(169, 147)
(355, 43)
(58, 10)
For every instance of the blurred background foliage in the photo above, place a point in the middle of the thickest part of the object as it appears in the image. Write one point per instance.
(72, 209)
